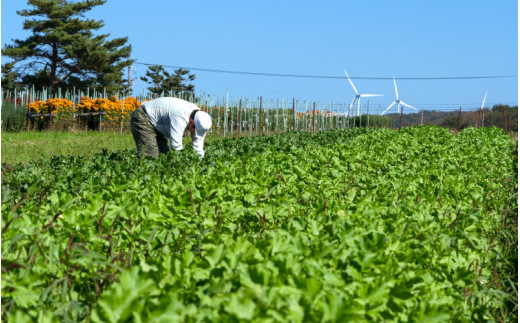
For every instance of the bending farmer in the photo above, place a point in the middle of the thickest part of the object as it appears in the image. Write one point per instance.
(162, 118)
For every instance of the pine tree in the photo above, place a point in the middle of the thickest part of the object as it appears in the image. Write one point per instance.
(10, 77)
(63, 50)
(163, 82)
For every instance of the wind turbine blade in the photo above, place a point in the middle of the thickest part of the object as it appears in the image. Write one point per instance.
(483, 101)
(407, 105)
(355, 90)
(391, 105)
(369, 95)
(395, 86)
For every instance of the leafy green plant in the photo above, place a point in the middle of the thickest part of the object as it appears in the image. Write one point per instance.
(13, 118)
(352, 225)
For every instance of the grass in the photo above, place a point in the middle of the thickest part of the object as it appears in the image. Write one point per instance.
(25, 146)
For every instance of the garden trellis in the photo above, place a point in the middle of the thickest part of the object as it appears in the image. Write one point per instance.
(232, 115)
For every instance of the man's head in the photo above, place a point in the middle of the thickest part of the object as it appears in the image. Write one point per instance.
(200, 123)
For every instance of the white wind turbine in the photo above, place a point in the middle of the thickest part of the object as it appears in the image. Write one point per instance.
(399, 102)
(358, 96)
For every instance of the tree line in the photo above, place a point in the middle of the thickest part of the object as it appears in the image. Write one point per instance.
(66, 50)
(500, 115)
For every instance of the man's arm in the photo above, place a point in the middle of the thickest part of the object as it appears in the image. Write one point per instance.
(198, 144)
(177, 128)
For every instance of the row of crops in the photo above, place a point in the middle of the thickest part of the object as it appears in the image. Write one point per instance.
(344, 225)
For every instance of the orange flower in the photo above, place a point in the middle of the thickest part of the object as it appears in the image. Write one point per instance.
(36, 106)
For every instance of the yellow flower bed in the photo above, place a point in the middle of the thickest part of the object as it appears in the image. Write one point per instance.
(116, 111)
(59, 106)
(37, 107)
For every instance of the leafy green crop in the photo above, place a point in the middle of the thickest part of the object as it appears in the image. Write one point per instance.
(351, 225)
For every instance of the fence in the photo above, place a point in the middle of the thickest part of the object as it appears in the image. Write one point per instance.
(232, 116)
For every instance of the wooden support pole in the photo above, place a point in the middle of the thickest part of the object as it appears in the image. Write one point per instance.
(240, 117)
(313, 115)
(260, 124)
(479, 116)
(458, 121)
(368, 113)
(505, 120)
(401, 119)
(293, 115)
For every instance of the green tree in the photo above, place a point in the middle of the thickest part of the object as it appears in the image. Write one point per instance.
(63, 50)
(511, 117)
(501, 107)
(10, 77)
(163, 82)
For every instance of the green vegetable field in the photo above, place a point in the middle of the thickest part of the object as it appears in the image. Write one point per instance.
(345, 225)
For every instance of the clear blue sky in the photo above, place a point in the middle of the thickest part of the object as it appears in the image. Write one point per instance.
(368, 38)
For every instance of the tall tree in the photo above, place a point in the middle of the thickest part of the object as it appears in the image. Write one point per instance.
(63, 50)
(10, 77)
(163, 82)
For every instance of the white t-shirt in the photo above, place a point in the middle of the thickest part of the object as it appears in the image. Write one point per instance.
(170, 116)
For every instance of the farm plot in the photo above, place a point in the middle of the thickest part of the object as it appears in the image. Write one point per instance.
(360, 225)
